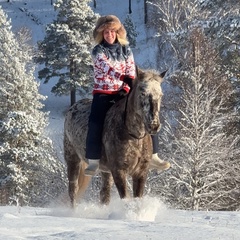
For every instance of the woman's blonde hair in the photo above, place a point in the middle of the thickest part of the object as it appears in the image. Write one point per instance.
(111, 22)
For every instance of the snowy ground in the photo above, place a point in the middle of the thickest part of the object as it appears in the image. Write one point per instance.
(141, 219)
(145, 219)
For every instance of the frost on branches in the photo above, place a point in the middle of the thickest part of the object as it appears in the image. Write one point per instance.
(218, 18)
(28, 169)
(199, 140)
(66, 48)
(200, 112)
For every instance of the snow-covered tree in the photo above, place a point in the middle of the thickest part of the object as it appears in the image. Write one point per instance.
(131, 31)
(223, 27)
(27, 163)
(205, 156)
(66, 48)
(219, 19)
(172, 15)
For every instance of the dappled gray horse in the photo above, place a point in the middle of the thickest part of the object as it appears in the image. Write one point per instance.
(127, 144)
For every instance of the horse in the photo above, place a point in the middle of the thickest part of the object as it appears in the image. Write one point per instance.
(126, 140)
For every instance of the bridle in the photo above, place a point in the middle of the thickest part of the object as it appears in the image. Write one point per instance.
(125, 114)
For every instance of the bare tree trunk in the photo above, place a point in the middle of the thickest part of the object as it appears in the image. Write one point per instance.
(130, 7)
(94, 4)
(145, 12)
(73, 96)
(73, 89)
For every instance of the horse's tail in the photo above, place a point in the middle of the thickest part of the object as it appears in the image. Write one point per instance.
(83, 180)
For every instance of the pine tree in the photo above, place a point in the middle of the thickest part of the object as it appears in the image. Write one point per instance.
(27, 163)
(65, 50)
(131, 31)
(204, 156)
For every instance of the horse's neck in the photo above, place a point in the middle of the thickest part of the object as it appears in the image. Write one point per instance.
(133, 119)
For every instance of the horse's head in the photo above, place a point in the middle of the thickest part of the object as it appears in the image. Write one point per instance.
(148, 101)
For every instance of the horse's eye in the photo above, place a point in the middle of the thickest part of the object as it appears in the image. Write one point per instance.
(141, 89)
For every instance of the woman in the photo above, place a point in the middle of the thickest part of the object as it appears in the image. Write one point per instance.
(114, 71)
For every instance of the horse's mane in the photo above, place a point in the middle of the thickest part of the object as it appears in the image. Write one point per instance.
(145, 75)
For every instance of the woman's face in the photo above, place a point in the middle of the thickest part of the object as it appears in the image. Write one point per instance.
(109, 35)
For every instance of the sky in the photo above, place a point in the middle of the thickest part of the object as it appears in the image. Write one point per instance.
(146, 218)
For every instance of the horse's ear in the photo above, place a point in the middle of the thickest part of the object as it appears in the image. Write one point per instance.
(138, 70)
(163, 73)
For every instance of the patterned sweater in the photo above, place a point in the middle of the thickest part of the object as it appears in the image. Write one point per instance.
(111, 63)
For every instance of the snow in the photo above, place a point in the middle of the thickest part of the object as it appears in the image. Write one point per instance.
(146, 218)
(140, 219)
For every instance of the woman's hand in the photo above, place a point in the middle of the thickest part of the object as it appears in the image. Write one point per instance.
(128, 81)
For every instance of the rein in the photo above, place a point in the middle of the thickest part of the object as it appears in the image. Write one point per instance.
(125, 111)
(125, 117)
(126, 103)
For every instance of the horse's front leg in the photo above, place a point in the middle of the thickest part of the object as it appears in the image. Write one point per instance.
(139, 185)
(107, 183)
(120, 180)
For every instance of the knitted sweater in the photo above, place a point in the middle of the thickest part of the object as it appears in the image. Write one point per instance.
(111, 63)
